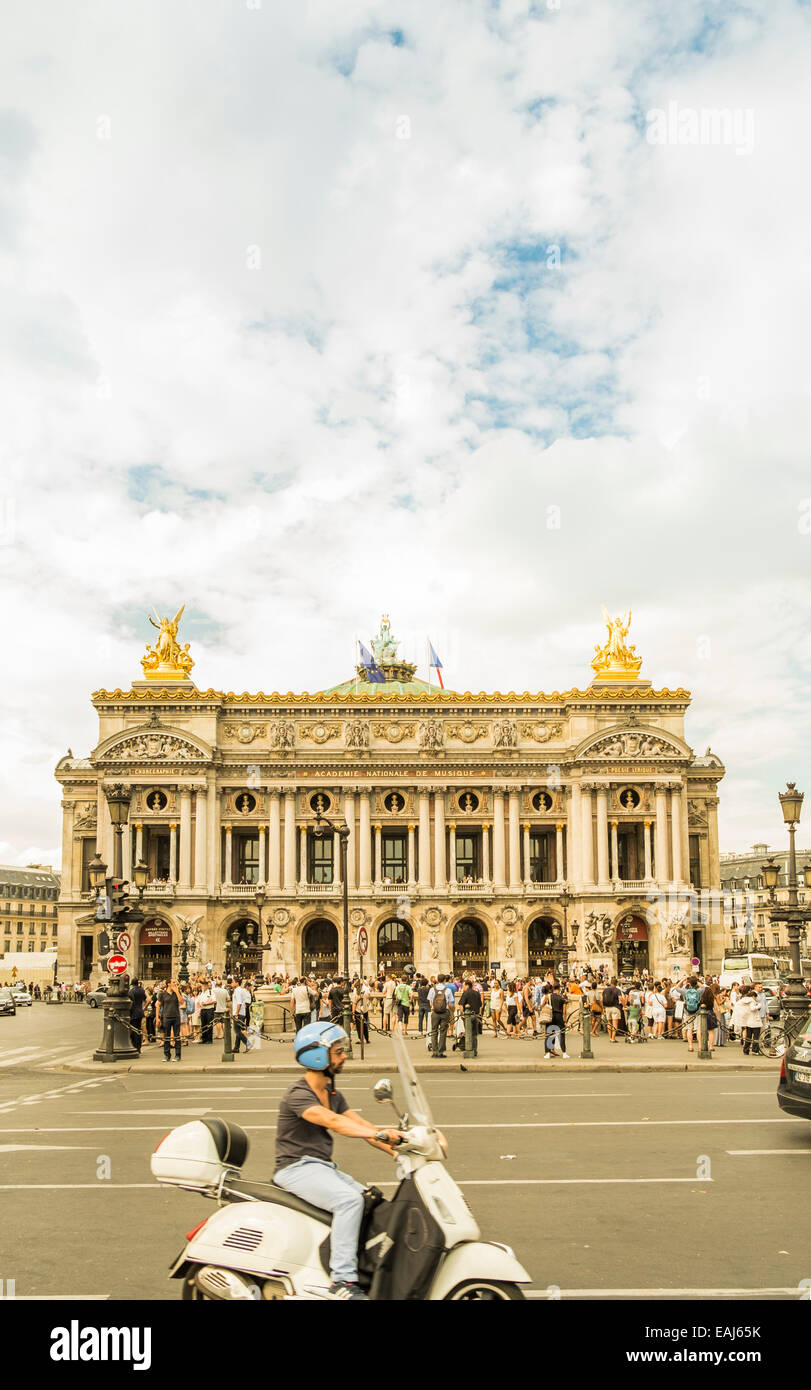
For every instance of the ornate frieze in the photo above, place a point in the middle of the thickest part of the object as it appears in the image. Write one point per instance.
(505, 733)
(245, 732)
(633, 744)
(468, 732)
(430, 735)
(85, 814)
(392, 730)
(282, 735)
(318, 733)
(356, 733)
(540, 731)
(150, 748)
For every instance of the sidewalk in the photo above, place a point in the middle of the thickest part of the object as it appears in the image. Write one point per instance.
(505, 1055)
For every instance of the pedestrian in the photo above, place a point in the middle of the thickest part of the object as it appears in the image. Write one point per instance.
(402, 995)
(496, 1006)
(440, 997)
(692, 1003)
(749, 1008)
(168, 1018)
(511, 1000)
(423, 1007)
(336, 1001)
(138, 997)
(722, 1010)
(149, 1016)
(388, 1003)
(611, 1008)
(361, 995)
(300, 1004)
(221, 996)
(240, 1001)
(208, 1007)
(659, 1010)
(470, 998)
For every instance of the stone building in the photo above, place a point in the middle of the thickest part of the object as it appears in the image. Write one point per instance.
(484, 828)
(747, 903)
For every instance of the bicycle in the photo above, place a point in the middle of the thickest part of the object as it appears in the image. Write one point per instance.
(777, 1036)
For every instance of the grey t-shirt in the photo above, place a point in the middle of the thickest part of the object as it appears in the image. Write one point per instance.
(297, 1138)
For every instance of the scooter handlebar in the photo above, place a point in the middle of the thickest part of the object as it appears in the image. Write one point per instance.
(382, 1137)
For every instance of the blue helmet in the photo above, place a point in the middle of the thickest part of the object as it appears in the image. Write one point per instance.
(314, 1041)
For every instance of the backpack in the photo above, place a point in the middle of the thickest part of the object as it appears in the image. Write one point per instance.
(440, 1003)
(692, 999)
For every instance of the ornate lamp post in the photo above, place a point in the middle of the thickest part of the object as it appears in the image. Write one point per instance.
(259, 899)
(564, 898)
(343, 832)
(116, 1045)
(795, 1001)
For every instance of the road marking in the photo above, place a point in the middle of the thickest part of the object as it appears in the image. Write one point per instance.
(660, 1293)
(72, 1186)
(741, 1152)
(27, 1054)
(55, 1093)
(104, 1129)
(560, 1182)
(748, 1093)
(62, 1297)
(40, 1148)
(612, 1124)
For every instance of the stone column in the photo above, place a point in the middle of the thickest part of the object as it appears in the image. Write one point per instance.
(615, 854)
(574, 832)
(440, 869)
(648, 861)
(499, 880)
(275, 843)
(378, 854)
(587, 834)
(675, 833)
(714, 876)
(184, 877)
(526, 852)
(139, 841)
(452, 853)
(349, 814)
(515, 841)
(336, 857)
(228, 860)
(662, 869)
(304, 876)
(263, 873)
(127, 853)
(214, 837)
(173, 851)
(602, 837)
(559, 852)
(365, 842)
(425, 840)
(290, 841)
(104, 830)
(411, 861)
(200, 818)
(486, 852)
(66, 886)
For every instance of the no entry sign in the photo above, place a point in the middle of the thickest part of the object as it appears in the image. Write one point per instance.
(124, 941)
(117, 965)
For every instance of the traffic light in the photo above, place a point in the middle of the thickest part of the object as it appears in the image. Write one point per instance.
(104, 943)
(118, 895)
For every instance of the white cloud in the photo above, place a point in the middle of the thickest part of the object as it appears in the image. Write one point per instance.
(380, 415)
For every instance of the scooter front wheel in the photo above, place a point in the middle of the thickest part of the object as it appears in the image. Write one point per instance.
(489, 1290)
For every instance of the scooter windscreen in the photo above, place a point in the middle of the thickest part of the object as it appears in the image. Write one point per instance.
(419, 1111)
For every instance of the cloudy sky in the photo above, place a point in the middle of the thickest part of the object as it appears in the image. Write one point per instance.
(479, 313)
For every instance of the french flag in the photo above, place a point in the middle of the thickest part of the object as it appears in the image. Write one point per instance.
(434, 664)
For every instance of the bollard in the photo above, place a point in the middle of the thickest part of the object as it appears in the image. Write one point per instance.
(704, 1054)
(227, 1042)
(585, 1022)
(469, 1025)
(348, 1026)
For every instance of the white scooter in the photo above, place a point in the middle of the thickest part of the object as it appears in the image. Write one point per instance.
(265, 1243)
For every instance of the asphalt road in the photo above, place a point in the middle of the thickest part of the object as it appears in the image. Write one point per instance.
(610, 1185)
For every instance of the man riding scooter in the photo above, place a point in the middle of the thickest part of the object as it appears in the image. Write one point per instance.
(309, 1110)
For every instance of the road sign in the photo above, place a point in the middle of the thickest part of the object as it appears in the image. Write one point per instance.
(117, 965)
(124, 941)
(695, 961)
(362, 940)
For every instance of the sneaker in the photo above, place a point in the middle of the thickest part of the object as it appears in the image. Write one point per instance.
(339, 1288)
(548, 1056)
(566, 1055)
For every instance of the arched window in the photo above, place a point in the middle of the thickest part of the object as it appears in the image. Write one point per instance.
(319, 948)
(470, 947)
(395, 945)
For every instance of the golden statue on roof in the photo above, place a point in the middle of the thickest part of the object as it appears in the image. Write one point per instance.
(616, 660)
(166, 660)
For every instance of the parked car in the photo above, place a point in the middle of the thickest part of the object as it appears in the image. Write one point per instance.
(97, 996)
(21, 997)
(794, 1086)
(7, 1005)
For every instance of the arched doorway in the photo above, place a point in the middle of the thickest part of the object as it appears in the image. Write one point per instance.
(243, 954)
(319, 948)
(544, 942)
(395, 946)
(155, 950)
(632, 945)
(470, 946)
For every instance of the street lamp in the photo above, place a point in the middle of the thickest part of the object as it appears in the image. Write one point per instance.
(120, 910)
(564, 898)
(259, 899)
(343, 832)
(796, 997)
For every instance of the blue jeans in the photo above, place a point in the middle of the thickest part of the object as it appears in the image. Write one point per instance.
(322, 1183)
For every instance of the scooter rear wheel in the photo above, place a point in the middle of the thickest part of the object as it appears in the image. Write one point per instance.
(489, 1290)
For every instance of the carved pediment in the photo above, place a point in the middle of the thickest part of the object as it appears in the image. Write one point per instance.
(151, 746)
(633, 743)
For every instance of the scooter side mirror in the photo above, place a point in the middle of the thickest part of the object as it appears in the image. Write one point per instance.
(382, 1091)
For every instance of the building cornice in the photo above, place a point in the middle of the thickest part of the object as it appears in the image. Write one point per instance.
(445, 699)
